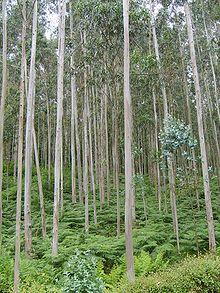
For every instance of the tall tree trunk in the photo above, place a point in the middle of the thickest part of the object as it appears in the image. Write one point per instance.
(128, 150)
(29, 138)
(166, 116)
(208, 203)
(92, 165)
(40, 187)
(20, 153)
(57, 167)
(48, 142)
(2, 105)
(157, 151)
(73, 99)
(85, 161)
(189, 118)
(107, 145)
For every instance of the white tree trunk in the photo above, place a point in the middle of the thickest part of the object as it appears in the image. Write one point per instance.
(2, 102)
(57, 167)
(40, 187)
(29, 137)
(209, 213)
(166, 115)
(20, 154)
(128, 150)
(157, 151)
(73, 99)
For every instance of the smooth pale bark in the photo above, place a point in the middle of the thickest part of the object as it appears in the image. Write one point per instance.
(61, 176)
(128, 150)
(29, 138)
(76, 126)
(15, 155)
(117, 182)
(2, 102)
(92, 165)
(166, 116)
(58, 144)
(73, 99)
(40, 187)
(102, 151)
(95, 135)
(157, 151)
(20, 154)
(85, 162)
(107, 145)
(189, 118)
(116, 161)
(48, 142)
(207, 191)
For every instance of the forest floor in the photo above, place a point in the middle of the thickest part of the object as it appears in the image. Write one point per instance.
(156, 256)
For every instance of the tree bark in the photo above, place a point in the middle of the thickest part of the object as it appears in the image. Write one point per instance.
(29, 138)
(57, 167)
(128, 150)
(40, 187)
(208, 203)
(20, 153)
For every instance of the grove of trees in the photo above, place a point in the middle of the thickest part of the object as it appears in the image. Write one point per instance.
(109, 125)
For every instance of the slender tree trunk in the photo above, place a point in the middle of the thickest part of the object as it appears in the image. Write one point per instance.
(2, 105)
(73, 99)
(107, 145)
(61, 175)
(209, 213)
(166, 116)
(57, 167)
(189, 117)
(102, 152)
(157, 151)
(116, 160)
(85, 168)
(40, 187)
(128, 151)
(29, 138)
(92, 165)
(20, 154)
(49, 143)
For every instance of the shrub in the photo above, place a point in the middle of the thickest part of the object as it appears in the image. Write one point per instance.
(144, 264)
(191, 275)
(80, 275)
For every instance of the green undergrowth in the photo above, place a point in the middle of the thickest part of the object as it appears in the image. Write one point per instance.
(154, 241)
(193, 274)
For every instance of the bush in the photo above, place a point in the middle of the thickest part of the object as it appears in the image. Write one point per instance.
(80, 275)
(191, 275)
(144, 265)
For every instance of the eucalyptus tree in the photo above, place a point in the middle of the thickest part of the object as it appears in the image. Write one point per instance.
(57, 166)
(2, 101)
(166, 117)
(73, 99)
(20, 151)
(207, 191)
(128, 151)
(29, 135)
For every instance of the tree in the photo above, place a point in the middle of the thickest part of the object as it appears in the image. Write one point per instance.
(207, 191)
(29, 136)
(57, 166)
(20, 152)
(2, 105)
(128, 151)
